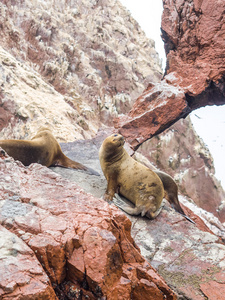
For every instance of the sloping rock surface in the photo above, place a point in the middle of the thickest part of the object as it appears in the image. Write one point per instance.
(53, 231)
(21, 274)
(189, 257)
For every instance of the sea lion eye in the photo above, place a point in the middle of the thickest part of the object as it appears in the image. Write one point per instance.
(115, 135)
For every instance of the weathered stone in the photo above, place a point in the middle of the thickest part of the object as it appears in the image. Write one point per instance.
(74, 235)
(94, 58)
(193, 33)
(21, 274)
(160, 105)
(186, 255)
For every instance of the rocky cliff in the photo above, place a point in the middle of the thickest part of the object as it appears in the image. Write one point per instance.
(194, 36)
(88, 57)
(74, 66)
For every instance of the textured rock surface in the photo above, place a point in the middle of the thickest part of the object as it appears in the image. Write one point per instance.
(21, 274)
(73, 235)
(62, 68)
(156, 109)
(190, 257)
(92, 55)
(193, 32)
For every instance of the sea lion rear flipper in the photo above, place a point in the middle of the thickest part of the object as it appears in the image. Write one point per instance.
(181, 211)
(66, 162)
(190, 220)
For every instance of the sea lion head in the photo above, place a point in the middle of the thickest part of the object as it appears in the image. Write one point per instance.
(113, 146)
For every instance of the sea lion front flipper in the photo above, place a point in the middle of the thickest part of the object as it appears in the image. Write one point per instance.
(134, 211)
(182, 213)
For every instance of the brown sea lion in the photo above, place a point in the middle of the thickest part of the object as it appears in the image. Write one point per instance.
(130, 178)
(44, 149)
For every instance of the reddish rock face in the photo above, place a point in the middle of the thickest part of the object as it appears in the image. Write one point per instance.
(50, 221)
(193, 32)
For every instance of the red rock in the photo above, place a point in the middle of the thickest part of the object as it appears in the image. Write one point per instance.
(213, 290)
(193, 33)
(21, 274)
(160, 104)
(74, 235)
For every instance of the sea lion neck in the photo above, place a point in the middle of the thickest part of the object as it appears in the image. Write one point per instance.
(114, 154)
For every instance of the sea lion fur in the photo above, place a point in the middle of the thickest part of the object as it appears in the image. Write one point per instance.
(170, 186)
(130, 178)
(44, 149)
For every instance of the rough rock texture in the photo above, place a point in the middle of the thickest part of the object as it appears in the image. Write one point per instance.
(189, 257)
(92, 55)
(21, 274)
(193, 32)
(59, 60)
(155, 110)
(75, 65)
(191, 167)
(73, 235)
(28, 102)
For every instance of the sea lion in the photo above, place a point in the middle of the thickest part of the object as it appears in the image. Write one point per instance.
(44, 149)
(130, 178)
